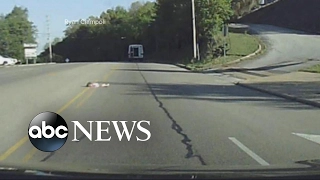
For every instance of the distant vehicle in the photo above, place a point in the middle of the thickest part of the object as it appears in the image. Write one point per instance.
(135, 52)
(265, 2)
(8, 61)
(262, 2)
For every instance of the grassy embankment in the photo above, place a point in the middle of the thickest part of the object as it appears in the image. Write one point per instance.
(240, 45)
(313, 69)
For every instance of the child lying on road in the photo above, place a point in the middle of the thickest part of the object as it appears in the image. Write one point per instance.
(95, 85)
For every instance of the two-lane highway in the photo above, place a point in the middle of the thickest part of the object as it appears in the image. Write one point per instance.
(195, 119)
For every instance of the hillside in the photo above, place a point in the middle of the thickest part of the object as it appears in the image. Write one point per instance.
(294, 14)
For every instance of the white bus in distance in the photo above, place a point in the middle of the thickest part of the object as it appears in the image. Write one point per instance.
(135, 52)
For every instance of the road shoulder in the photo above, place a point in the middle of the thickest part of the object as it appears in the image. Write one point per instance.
(301, 87)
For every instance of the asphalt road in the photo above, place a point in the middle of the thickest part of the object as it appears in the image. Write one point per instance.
(288, 50)
(195, 119)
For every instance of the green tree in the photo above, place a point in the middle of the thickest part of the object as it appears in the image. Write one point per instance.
(4, 36)
(243, 7)
(16, 29)
(71, 28)
(211, 15)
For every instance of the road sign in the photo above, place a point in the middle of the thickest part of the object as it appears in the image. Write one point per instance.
(30, 51)
(28, 45)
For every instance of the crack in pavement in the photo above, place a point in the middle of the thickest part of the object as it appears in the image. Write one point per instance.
(47, 157)
(175, 126)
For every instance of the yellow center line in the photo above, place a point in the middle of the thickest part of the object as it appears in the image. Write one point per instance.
(31, 153)
(13, 148)
(85, 99)
(90, 94)
(71, 101)
(22, 141)
(52, 74)
(16, 146)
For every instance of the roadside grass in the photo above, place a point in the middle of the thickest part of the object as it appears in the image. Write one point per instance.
(210, 63)
(240, 45)
(313, 69)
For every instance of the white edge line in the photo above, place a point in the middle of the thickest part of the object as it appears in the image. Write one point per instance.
(249, 152)
(308, 137)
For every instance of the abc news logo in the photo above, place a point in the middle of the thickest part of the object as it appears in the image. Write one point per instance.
(48, 131)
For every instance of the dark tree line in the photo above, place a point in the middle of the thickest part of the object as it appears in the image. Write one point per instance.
(164, 28)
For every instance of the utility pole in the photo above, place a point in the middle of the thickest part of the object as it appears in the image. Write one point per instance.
(194, 30)
(49, 39)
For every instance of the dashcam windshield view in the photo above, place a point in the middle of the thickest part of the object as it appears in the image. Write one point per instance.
(159, 88)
